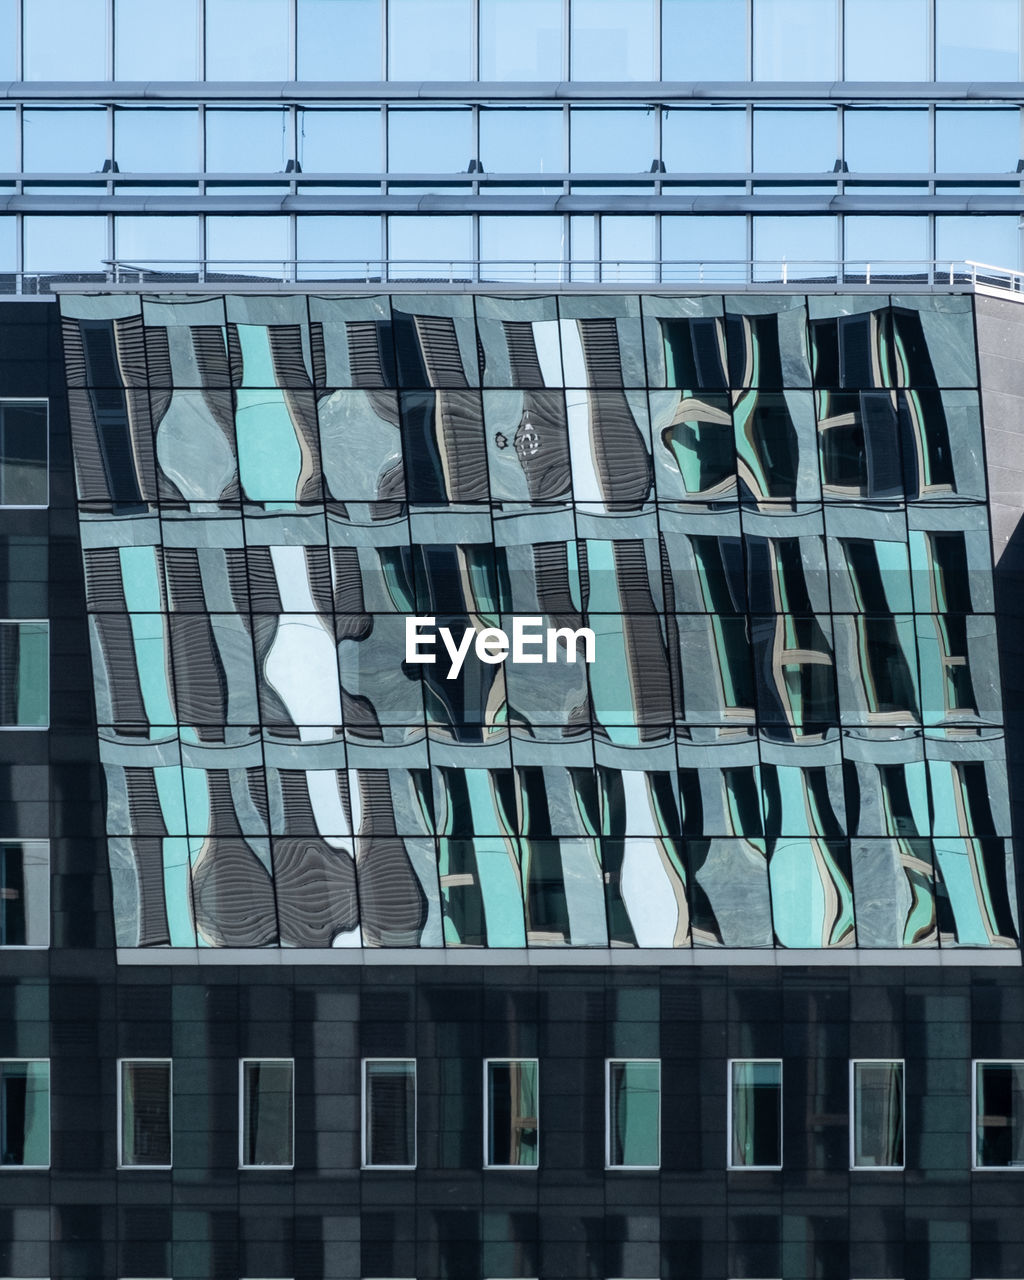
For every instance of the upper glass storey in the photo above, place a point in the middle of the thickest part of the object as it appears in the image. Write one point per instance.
(527, 40)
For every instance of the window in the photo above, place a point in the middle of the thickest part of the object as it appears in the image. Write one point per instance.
(144, 1106)
(24, 675)
(24, 893)
(999, 1115)
(633, 1128)
(389, 1113)
(755, 1114)
(25, 1113)
(876, 1116)
(23, 453)
(511, 1131)
(267, 1137)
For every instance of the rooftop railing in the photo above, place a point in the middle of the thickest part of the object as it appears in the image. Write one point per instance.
(792, 274)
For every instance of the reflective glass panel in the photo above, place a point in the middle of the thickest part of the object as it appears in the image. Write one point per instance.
(977, 39)
(989, 238)
(430, 42)
(877, 1119)
(389, 1113)
(628, 248)
(977, 141)
(247, 40)
(338, 246)
(24, 674)
(610, 141)
(795, 141)
(808, 246)
(266, 1138)
(999, 1115)
(794, 39)
(522, 248)
(887, 141)
(427, 141)
(893, 246)
(59, 141)
(24, 893)
(634, 1115)
(25, 1114)
(8, 141)
(338, 40)
(690, 242)
(145, 1115)
(64, 41)
(520, 39)
(65, 242)
(612, 40)
(756, 1108)
(8, 242)
(156, 140)
(250, 244)
(704, 39)
(340, 141)
(705, 140)
(432, 247)
(243, 141)
(155, 41)
(522, 141)
(159, 243)
(9, 48)
(886, 39)
(511, 1103)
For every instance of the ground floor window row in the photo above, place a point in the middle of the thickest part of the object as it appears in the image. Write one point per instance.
(511, 1113)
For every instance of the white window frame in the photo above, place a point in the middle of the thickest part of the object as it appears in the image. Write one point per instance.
(626, 1168)
(33, 946)
(877, 1168)
(258, 1168)
(511, 1168)
(25, 1168)
(752, 1168)
(364, 1137)
(31, 506)
(121, 1062)
(975, 1166)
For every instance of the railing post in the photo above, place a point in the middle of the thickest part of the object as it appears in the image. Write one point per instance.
(867, 273)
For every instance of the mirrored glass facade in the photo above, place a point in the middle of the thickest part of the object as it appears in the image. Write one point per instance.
(770, 513)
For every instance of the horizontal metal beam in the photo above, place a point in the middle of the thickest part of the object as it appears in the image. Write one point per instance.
(384, 91)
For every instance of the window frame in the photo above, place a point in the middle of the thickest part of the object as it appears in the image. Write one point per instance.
(22, 1168)
(975, 1166)
(33, 728)
(242, 1063)
(522, 1168)
(121, 1063)
(608, 1164)
(751, 1168)
(29, 506)
(32, 946)
(364, 1136)
(877, 1168)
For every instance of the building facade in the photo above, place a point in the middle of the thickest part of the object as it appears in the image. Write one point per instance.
(628, 360)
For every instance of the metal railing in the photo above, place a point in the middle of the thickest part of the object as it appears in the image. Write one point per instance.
(785, 273)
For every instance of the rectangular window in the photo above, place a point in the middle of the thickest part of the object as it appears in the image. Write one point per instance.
(511, 1131)
(999, 1115)
(23, 453)
(25, 1114)
(24, 893)
(389, 1113)
(755, 1114)
(144, 1101)
(24, 675)
(876, 1116)
(267, 1137)
(634, 1114)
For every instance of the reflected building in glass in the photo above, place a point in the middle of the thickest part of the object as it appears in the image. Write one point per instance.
(683, 940)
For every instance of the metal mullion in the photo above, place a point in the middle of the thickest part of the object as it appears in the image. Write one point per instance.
(750, 40)
(475, 38)
(385, 57)
(110, 41)
(293, 39)
(841, 38)
(19, 37)
(201, 41)
(566, 40)
(657, 43)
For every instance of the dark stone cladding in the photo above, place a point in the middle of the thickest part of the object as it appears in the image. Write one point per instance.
(205, 1219)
